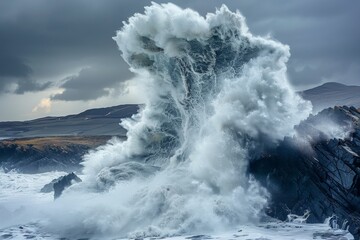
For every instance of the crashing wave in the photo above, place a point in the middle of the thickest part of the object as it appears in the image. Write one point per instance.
(215, 97)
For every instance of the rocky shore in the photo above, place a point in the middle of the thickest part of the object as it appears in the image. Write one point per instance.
(315, 171)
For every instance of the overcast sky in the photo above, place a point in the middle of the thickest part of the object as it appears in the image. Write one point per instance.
(58, 57)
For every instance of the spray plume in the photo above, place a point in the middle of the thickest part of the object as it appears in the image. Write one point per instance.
(215, 95)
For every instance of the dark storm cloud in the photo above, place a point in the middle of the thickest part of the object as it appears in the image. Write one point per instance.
(16, 76)
(56, 37)
(11, 66)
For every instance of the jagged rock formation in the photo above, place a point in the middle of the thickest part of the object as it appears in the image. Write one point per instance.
(315, 170)
(64, 182)
(58, 185)
(35, 155)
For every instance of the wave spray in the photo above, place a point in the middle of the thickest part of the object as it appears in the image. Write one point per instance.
(215, 97)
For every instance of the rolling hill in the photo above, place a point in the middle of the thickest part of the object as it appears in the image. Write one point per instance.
(332, 94)
(92, 122)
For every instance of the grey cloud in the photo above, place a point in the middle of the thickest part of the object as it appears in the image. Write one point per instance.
(91, 83)
(30, 85)
(16, 76)
(307, 75)
(322, 37)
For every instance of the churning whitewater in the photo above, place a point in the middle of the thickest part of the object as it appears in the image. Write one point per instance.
(216, 96)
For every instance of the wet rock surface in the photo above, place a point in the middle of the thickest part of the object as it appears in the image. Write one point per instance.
(64, 182)
(58, 185)
(316, 171)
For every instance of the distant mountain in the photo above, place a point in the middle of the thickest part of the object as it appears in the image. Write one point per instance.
(93, 122)
(332, 94)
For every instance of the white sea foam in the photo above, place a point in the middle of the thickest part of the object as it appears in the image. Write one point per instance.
(23, 207)
(20, 195)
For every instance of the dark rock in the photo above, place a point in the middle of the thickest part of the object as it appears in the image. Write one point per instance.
(64, 182)
(316, 172)
(50, 186)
